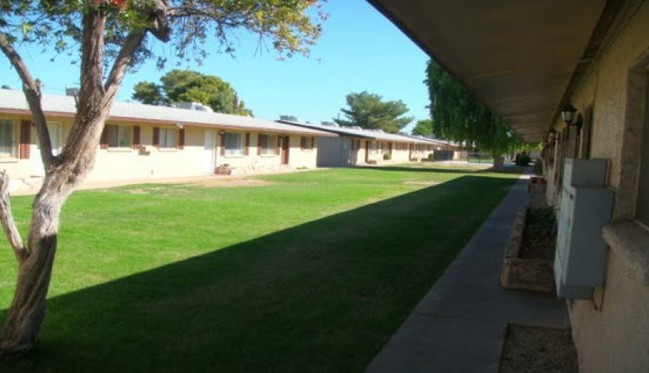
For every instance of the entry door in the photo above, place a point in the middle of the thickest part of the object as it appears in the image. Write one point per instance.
(56, 131)
(209, 152)
(285, 149)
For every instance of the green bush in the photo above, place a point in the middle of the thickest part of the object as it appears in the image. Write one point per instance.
(387, 156)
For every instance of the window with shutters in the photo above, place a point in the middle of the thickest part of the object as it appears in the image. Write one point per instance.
(6, 138)
(168, 138)
(374, 147)
(118, 136)
(307, 143)
(233, 143)
(267, 144)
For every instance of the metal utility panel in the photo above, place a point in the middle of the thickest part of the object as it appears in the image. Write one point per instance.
(581, 253)
(584, 172)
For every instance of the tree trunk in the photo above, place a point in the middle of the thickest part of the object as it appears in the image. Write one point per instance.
(499, 162)
(23, 322)
(64, 172)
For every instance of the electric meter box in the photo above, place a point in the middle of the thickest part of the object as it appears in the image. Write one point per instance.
(586, 205)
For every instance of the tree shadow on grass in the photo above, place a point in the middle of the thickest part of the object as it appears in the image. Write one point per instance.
(322, 296)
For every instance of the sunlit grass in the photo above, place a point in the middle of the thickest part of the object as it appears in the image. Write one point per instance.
(311, 272)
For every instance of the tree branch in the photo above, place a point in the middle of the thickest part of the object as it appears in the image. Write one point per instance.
(121, 64)
(159, 27)
(32, 91)
(7, 220)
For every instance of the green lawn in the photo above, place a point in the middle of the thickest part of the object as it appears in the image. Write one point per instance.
(312, 271)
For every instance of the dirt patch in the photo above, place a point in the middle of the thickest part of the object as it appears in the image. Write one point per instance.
(175, 188)
(538, 350)
(230, 183)
(539, 235)
(422, 183)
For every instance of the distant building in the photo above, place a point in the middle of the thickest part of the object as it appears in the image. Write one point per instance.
(145, 141)
(356, 146)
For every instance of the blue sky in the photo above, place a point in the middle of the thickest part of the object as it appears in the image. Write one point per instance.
(360, 50)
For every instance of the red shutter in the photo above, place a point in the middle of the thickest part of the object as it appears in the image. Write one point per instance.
(25, 139)
(279, 143)
(259, 144)
(222, 143)
(313, 143)
(136, 137)
(103, 140)
(247, 145)
(181, 138)
(156, 136)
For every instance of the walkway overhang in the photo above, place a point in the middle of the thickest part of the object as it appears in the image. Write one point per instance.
(517, 57)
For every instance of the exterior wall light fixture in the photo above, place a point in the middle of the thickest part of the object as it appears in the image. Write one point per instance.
(570, 115)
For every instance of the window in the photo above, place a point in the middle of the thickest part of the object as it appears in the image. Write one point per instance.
(119, 136)
(168, 138)
(233, 143)
(267, 144)
(6, 138)
(307, 143)
(373, 147)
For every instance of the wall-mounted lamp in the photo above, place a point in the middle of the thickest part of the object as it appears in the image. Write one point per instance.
(510, 133)
(570, 115)
(221, 132)
(552, 136)
(179, 125)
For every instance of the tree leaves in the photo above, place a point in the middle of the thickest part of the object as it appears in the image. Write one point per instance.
(459, 116)
(368, 110)
(423, 128)
(191, 86)
(196, 25)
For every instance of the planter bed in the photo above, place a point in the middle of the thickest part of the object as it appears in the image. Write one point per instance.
(529, 253)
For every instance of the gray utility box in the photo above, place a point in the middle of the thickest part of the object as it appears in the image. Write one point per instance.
(586, 205)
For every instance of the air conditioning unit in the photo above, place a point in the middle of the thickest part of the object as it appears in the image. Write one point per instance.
(586, 205)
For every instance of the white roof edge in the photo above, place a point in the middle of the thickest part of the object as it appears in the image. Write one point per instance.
(374, 135)
(12, 100)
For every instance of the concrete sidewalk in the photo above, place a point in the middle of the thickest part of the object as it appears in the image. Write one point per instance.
(460, 324)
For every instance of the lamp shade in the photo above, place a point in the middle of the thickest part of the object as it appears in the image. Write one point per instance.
(568, 113)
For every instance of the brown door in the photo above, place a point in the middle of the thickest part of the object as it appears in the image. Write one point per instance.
(367, 151)
(285, 149)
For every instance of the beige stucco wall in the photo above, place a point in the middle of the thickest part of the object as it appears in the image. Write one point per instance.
(611, 332)
(192, 160)
(404, 155)
(27, 173)
(118, 164)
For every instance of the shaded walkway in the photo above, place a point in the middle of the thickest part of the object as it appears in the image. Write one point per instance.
(460, 324)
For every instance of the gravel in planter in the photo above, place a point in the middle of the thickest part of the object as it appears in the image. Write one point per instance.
(539, 234)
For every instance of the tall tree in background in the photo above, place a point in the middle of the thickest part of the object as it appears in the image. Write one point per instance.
(369, 111)
(423, 128)
(113, 35)
(459, 116)
(191, 86)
